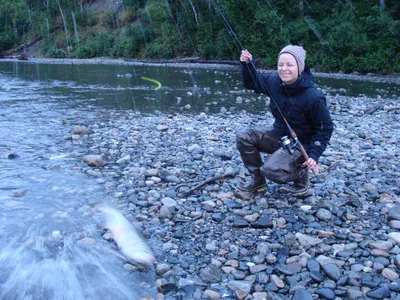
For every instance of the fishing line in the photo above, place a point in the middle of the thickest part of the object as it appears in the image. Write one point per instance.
(187, 30)
(242, 48)
(231, 32)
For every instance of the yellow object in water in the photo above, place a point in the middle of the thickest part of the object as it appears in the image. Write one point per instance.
(154, 81)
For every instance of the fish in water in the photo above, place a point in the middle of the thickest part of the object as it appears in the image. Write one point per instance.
(127, 237)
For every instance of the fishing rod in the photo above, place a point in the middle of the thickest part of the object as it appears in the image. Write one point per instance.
(291, 131)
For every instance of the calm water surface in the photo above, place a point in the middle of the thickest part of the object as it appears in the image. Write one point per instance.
(45, 219)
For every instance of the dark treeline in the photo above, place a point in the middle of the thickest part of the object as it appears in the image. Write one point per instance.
(339, 35)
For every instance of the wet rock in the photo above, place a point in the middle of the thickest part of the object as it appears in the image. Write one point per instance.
(324, 214)
(80, 130)
(371, 282)
(263, 222)
(379, 292)
(332, 271)
(167, 287)
(94, 160)
(12, 155)
(211, 273)
(260, 296)
(395, 224)
(162, 128)
(212, 294)
(394, 213)
(395, 286)
(390, 274)
(166, 212)
(353, 293)
(162, 268)
(381, 245)
(316, 276)
(257, 268)
(307, 241)
(277, 281)
(313, 265)
(239, 285)
(325, 293)
(395, 236)
(20, 193)
(239, 222)
(302, 295)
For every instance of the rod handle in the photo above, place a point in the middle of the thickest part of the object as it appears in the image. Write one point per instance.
(305, 155)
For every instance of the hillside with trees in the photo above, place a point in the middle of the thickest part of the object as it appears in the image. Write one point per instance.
(344, 35)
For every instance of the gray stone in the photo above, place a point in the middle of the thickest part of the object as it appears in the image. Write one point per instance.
(395, 236)
(258, 268)
(390, 274)
(353, 293)
(240, 285)
(80, 130)
(94, 160)
(381, 245)
(325, 293)
(332, 271)
(263, 222)
(324, 214)
(394, 213)
(395, 224)
(313, 265)
(211, 273)
(162, 268)
(302, 295)
(379, 292)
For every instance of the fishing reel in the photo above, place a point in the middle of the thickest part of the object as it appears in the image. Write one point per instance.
(290, 144)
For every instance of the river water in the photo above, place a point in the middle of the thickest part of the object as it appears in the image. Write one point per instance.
(51, 241)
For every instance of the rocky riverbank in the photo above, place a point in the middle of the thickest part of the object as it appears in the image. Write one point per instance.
(340, 241)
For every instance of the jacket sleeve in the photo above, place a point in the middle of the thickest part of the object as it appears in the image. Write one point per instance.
(322, 127)
(253, 80)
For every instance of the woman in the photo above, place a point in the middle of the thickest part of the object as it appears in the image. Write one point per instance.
(293, 95)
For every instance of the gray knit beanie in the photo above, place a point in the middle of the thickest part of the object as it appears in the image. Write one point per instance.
(299, 54)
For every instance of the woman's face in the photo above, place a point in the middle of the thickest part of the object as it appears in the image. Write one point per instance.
(287, 68)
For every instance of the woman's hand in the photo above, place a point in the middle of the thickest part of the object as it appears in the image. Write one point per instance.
(311, 164)
(245, 56)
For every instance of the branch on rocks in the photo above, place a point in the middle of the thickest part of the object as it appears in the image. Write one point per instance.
(333, 165)
(212, 179)
(393, 108)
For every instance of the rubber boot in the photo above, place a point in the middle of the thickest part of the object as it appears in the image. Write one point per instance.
(257, 183)
(300, 187)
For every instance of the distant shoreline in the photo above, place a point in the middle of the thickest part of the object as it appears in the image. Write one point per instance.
(195, 63)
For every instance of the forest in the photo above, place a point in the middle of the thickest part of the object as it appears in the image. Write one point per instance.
(339, 35)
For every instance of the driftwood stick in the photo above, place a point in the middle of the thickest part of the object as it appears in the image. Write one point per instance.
(333, 165)
(212, 179)
(393, 108)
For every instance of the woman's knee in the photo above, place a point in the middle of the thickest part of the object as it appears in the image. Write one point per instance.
(242, 137)
(274, 174)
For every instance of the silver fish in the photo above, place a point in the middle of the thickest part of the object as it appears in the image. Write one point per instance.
(127, 237)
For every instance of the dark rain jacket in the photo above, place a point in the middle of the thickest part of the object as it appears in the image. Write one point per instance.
(303, 106)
